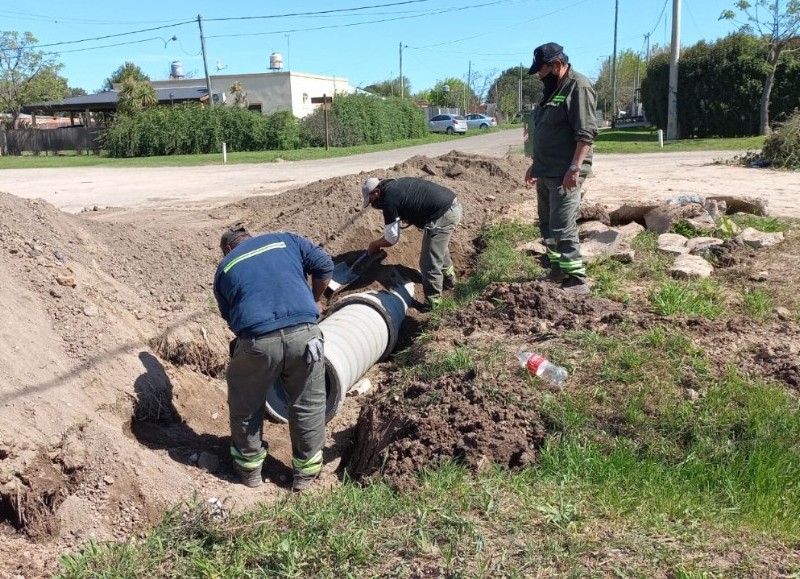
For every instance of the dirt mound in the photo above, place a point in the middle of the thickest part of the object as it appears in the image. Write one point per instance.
(452, 418)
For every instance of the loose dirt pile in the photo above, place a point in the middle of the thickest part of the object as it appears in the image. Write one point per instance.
(112, 394)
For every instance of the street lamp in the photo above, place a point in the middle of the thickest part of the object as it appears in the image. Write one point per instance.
(445, 92)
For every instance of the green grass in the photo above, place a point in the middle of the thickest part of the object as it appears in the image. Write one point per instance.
(756, 303)
(645, 140)
(308, 154)
(702, 298)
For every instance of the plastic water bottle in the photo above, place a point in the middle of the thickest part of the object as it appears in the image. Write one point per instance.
(543, 368)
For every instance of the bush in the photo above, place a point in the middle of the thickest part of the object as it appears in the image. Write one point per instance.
(364, 119)
(193, 129)
(782, 148)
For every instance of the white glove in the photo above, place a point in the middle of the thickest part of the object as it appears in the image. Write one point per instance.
(315, 350)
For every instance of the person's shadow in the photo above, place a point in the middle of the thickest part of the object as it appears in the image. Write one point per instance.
(157, 424)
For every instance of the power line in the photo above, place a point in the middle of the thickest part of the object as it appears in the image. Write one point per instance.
(107, 36)
(331, 11)
(664, 7)
(14, 15)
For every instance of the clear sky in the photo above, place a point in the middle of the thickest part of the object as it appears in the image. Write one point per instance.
(355, 39)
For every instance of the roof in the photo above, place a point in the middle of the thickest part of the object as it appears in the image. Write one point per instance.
(107, 101)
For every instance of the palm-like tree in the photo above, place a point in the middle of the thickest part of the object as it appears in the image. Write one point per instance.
(136, 95)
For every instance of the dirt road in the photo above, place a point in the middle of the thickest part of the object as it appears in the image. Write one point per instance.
(617, 178)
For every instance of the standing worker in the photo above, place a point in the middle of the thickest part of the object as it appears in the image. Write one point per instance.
(564, 128)
(262, 292)
(432, 208)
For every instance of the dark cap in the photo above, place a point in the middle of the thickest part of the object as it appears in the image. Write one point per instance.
(545, 54)
(230, 236)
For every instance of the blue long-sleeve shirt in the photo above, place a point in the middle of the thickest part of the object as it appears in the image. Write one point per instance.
(261, 286)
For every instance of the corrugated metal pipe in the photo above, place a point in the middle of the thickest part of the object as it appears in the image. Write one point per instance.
(360, 330)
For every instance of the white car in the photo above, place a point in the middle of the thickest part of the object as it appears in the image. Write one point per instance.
(478, 121)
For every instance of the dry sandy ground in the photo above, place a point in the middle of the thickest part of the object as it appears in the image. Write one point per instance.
(617, 179)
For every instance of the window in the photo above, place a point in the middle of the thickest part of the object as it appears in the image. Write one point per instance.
(254, 107)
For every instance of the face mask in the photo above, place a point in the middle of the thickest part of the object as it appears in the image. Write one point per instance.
(550, 83)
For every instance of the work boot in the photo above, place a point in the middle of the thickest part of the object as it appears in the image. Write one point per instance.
(449, 278)
(249, 477)
(576, 285)
(301, 482)
(431, 302)
(555, 276)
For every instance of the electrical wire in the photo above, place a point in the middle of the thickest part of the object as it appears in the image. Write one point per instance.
(107, 36)
(663, 8)
(317, 13)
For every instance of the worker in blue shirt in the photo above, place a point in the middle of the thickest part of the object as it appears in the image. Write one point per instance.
(262, 292)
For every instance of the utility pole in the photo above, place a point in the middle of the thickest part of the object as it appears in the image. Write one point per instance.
(614, 69)
(205, 62)
(674, 53)
(519, 96)
(468, 91)
(401, 70)
(647, 43)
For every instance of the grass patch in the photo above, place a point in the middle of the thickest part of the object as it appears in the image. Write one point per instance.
(645, 140)
(766, 224)
(756, 303)
(70, 159)
(703, 298)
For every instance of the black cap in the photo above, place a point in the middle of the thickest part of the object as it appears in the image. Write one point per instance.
(545, 54)
(230, 236)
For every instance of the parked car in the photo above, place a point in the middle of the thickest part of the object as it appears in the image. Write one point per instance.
(448, 124)
(478, 121)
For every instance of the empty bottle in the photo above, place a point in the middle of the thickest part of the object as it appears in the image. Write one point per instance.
(543, 368)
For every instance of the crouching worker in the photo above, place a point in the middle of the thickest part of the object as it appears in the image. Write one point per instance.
(261, 291)
(429, 206)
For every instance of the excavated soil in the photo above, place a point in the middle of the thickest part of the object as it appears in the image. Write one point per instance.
(112, 357)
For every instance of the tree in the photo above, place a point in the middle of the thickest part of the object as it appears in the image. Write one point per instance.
(630, 71)
(239, 95)
(75, 91)
(457, 94)
(26, 75)
(505, 90)
(390, 87)
(136, 95)
(778, 29)
(127, 70)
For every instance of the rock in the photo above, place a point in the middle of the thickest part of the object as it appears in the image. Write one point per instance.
(783, 314)
(691, 394)
(702, 222)
(588, 228)
(663, 218)
(66, 280)
(759, 276)
(759, 239)
(109, 480)
(59, 255)
(208, 461)
(55, 293)
(751, 205)
(630, 230)
(595, 212)
(625, 256)
(691, 267)
(716, 208)
(600, 245)
(428, 169)
(630, 213)
(698, 244)
(455, 170)
(91, 311)
(361, 387)
(672, 244)
(532, 247)
(490, 198)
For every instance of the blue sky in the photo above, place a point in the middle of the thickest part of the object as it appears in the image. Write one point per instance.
(440, 37)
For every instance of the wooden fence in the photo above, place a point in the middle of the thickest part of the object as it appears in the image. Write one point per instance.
(36, 141)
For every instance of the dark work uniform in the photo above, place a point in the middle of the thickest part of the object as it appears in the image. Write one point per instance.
(560, 121)
(432, 208)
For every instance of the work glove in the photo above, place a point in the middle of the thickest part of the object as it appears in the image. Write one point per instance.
(315, 350)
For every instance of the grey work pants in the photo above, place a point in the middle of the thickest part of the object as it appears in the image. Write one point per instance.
(256, 364)
(434, 256)
(558, 214)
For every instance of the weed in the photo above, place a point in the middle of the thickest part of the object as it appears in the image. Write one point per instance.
(756, 303)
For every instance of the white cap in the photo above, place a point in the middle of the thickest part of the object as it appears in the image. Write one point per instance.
(368, 188)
